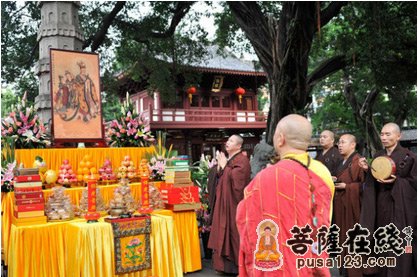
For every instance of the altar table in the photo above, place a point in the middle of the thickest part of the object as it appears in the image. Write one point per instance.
(52, 249)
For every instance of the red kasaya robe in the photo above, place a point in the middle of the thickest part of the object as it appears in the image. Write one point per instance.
(347, 201)
(224, 237)
(282, 193)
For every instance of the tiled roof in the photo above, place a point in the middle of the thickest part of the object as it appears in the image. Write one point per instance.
(409, 134)
(224, 61)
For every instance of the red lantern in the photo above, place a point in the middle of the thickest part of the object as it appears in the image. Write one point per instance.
(190, 92)
(240, 92)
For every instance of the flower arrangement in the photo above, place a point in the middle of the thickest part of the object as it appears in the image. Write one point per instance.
(129, 128)
(25, 127)
(200, 172)
(157, 168)
(8, 163)
(157, 161)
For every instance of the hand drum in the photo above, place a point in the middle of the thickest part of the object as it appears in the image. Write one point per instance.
(382, 167)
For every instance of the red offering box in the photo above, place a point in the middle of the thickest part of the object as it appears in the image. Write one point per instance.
(29, 207)
(29, 201)
(180, 195)
(27, 178)
(29, 195)
(28, 189)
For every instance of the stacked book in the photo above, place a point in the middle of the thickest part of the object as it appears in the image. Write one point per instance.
(179, 192)
(177, 173)
(29, 204)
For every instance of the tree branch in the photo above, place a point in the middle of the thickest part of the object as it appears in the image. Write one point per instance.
(181, 10)
(325, 69)
(330, 11)
(100, 36)
(252, 21)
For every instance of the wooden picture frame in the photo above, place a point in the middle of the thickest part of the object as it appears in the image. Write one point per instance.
(76, 110)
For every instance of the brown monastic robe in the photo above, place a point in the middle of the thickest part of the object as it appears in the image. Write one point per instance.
(347, 201)
(331, 159)
(224, 236)
(393, 203)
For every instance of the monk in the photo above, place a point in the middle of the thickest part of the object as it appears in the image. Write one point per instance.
(393, 200)
(348, 188)
(329, 156)
(233, 176)
(295, 191)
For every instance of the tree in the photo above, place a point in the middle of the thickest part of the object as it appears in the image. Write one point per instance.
(19, 46)
(298, 45)
(282, 42)
(379, 83)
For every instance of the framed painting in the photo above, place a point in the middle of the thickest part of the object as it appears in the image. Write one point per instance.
(75, 95)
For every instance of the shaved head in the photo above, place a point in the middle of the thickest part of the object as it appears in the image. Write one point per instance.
(328, 133)
(393, 127)
(390, 136)
(349, 137)
(347, 145)
(239, 139)
(293, 131)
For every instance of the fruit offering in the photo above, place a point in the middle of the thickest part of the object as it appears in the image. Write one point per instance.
(127, 169)
(143, 169)
(86, 169)
(106, 172)
(66, 174)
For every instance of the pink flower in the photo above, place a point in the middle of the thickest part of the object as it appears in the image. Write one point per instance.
(132, 131)
(118, 134)
(123, 131)
(18, 123)
(10, 130)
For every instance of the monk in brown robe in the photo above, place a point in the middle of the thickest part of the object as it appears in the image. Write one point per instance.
(329, 156)
(393, 200)
(348, 187)
(233, 177)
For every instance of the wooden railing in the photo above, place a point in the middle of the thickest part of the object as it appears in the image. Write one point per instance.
(193, 118)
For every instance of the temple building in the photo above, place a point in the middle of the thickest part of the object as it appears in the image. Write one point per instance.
(205, 115)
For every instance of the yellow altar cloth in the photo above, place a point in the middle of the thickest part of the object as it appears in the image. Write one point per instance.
(56, 249)
(53, 157)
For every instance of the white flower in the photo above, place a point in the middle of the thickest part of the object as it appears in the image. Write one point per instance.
(28, 133)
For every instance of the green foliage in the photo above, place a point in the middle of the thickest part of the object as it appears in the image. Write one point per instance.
(380, 40)
(8, 99)
(19, 26)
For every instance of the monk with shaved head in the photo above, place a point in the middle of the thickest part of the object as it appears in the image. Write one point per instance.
(392, 201)
(294, 193)
(347, 198)
(233, 175)
(329, 156)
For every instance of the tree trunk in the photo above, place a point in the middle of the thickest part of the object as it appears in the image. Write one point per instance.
(364, 116)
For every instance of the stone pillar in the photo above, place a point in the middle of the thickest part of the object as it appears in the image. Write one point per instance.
(59, 29)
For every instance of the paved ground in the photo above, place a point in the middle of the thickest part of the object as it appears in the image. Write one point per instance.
(207, 270)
